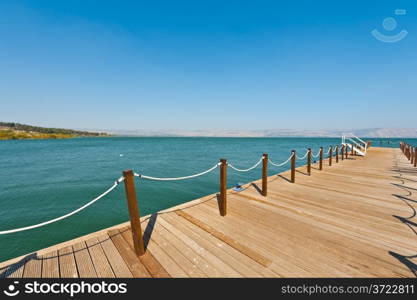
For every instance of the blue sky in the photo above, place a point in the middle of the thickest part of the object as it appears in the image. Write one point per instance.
(207, 64)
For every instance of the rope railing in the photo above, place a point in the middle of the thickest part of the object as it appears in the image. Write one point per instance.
(176, 178)
(116, 183)
(410, 152)
(333, 149)
(281, 164)
(248, 169)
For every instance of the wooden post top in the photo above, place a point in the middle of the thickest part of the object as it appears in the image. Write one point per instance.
(128, 172)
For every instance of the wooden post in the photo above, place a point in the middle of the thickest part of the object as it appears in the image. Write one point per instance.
(309, 161)
(330, 155)
(412, 155)
(293, 166)
(134, 215)
(415, 157)
(265, 174)
(321, 159)
(223, 187)
(342, 152)
(346, 151)
(351, 152)
(337, 154)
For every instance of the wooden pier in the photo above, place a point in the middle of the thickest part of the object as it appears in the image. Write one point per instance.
(356, 218)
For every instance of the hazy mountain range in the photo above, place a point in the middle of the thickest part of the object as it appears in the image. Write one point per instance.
(369, 132)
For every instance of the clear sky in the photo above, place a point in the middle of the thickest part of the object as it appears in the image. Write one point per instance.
(208, 64)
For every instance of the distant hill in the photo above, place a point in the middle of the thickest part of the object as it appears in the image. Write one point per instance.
(370, 132)
(16, 131)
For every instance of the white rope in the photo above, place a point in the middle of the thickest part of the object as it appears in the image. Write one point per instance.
(248, 169)
(317, 155)
(283, 163)
(305, 155)
(328, 152)
(177, 178)
(67, 215)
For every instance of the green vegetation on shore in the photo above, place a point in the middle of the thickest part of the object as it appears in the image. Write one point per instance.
(16, 131)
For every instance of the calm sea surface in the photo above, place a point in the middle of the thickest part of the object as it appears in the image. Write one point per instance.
(44, 179)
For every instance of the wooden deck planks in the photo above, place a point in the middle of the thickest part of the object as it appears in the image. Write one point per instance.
(50, 265)
(99, 259)
(135, 266)
(320, 244)
(84, 263)
(152, 265)
(262, 260)
(67, 265)
(120, 269)
(354, 219)
(33, 267)
(14, 271)
(223, 251)
(187, 251)
(179, 253)
(320, 236)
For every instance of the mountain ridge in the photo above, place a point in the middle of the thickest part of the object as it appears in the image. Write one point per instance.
(368, 132)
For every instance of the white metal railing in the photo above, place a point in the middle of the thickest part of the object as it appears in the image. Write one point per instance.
(361, 145)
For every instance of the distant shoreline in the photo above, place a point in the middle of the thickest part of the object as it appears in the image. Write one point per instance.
(37, 136)
(17, 131)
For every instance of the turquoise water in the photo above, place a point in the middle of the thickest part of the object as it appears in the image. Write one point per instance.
(44, 179)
